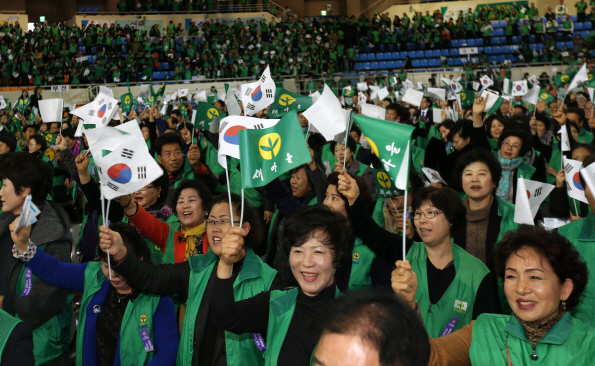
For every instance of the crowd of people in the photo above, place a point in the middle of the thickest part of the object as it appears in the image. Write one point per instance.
(194, 270)
(59, 53)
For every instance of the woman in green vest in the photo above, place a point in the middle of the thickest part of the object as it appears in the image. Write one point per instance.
(316, 241)
(117, 323)
(544, 277)
(495, 125)
(344, 156)
(200, 341)
(455, 287)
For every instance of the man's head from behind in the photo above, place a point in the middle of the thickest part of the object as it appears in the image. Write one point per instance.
(371, 329)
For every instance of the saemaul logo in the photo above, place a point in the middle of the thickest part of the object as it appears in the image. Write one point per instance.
(565, 78)
(127, 100)
(286, 100)
(143, 318)
(269, 145)
(543, 96)
(213, 112)
(383, 179)
(463, 96)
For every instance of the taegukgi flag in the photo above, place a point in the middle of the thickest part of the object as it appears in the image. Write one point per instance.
(258, 95)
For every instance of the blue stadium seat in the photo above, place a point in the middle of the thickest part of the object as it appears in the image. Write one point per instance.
(384, 72)
(492, 59)
(171, 74)
(423, 63)
(479, 41)
(480, 49)
(368, 49)
(450, 61)
(501, 58)
(488, 50)
(578, 26)
(80, 10)
(394, 55)
(124, 49)
(428, 54)
(455, 43)
(358, 57)
(587, 26)
(415, 63)
(559, 45)
(93, 50)
(399, 64)
(471, 42)
(533, 47)
(374, 65)
(380, 56)
(496, 40)
(569, 45)
(444, 52)
(419, 54)
(382, 65)
(371, 56)
(573, 18)
(434, 62)
(358, 66)
(464, 42)
(391, 47)
(516, 39)
(367, 65)
(512, 58)
(410, 46)
(80, 42)
(498, 32)
(505, 49)
(584, 34)
(382, 47)
(540, 46)
(454, 52)
(437, 53)
(559, 36)
(391, 65)
(458, 62)
(532, 38)
(364, 57)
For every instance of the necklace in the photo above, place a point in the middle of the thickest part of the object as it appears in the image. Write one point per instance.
(120, 298)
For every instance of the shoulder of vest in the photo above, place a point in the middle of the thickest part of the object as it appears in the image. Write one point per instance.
(526, 169)
(254, 267)
(572, 227)
(283, 301)
(199, 263)
(471, 262)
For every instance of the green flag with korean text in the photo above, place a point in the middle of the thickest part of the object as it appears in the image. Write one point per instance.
(286, 101)
(266, 154)
(126, 102)
(207, 116)
(385, 187)
(391, 142)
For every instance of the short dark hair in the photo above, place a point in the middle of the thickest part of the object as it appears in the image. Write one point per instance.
(462, 127)
(51, 123)
(186, 125)
(254, 238)
(446, 200)
(26, 127)
(490, 120)
(449, 124)
(379, 318)
(319, 222)
(520, 133)
(364, 192)
(39, 140)
(168, 138)
(356, 129)
(578, 111)
(68, 132)
(351, 144)
(9, 139)
(26, 171)
(479, 155)
(203, 192)
(551, 246)
(132, 240)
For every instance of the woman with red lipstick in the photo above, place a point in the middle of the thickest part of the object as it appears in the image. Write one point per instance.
(201, 342)
(316, 240)
(455, 286)
(544, 278)
(514, 144)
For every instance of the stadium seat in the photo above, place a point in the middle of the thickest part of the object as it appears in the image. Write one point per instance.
(358, 66)
(479, 41)
(371, 56)
(584, 34)
(124, 49)
(382, 47)
(488, 50)
(410, 46)
(374, 65)
(419, 54)
(492, 59)
(471, 42)
(569, 45)
(540, 46)
(384, 72)
(428, 54)
(382, 65)
(512, 58)
(587, 26)
(458, 62)
(502, 58)
(364, 57)
(415, 63)
(394, 55)
(358, 57)
(367, 66)
(404, 54)
(80, 10)
(578, 26)
(455, 43)
(444, 52)
(399, 64)
(423, 63)
(498, 32)
(533, 47)
(559, 45)
(380, 56)
(391, 47)
(573, 18)
(532, 38)
(391, 65)
(454, 52)
(516, 39)
(504, 49)
(171, 74)
(496, 40)
(434, 62)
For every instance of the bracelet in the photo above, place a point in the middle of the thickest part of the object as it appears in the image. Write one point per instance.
(27, 255)
(129, 202)
(117, 262)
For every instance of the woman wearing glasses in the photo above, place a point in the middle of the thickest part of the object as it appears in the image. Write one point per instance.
(201, 343)
(454, 287)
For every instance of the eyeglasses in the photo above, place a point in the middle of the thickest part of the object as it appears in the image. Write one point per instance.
(144, 189)
(429, 214)
(224, 222)
(513, 147)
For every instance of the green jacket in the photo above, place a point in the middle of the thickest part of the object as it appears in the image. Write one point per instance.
(456, 304)
(362, 258)
(255, 277)
(7, 324)
(581, 234)
(138, 313)
(569, 342)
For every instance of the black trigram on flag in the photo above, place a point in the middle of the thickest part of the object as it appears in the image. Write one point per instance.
(112, 186)
(248, 92)
(259, 126)
(250, 106)
(263, 79)
(127, 153)
(269, 93)
(142, 172)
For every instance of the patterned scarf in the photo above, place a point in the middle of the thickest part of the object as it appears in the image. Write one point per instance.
(508, 166)
(535, 331)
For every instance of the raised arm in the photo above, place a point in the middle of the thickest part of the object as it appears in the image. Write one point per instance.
(145, 223)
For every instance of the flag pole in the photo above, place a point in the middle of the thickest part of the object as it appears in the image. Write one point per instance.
(404, 225)
(242, 210)
(104, 217)
(395, 207)
(575, 209)
(228, 189)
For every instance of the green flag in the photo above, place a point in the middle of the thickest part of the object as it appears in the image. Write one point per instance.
(149, 102)
(286, 101)
(213, 99)
(266, 154)
(590, 83)
(207, 116)
(348, 95)
(496, 106)
(126, 102)
(183, 110)
(32, 117)
(391, 142)
(543, 95)
(50, 138)
(561, 80)
(385, 186)
(22, 105)
(161, 90)
(467, 98)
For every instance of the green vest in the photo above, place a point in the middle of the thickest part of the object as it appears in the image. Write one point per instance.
(581, 234)
(281, 309)
(139, 313)
(7, 324)
(50, 340)
(362, 258)
(569, 342)
(255, 277)
(169, 253)
(458, 300)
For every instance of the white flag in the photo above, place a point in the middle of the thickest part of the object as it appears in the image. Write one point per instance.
(588, 175)
(29, 214)
(258, 95)
(362, 86)
(127, 168)
(437, 114)
(506, 87)
(51, 110)
(564, 142)
(316, 95)
(492, 99)
(455, 86)
(408, 84)
(413, 97)
(373, 91)
(361, 98)
(229, 139)
(533, 95)
(533, 80)
(438, 93)
(107, 91)
(99, 112)
(182, 92)
(326, 114)
(519, 88)
(2, 102)
(580, 77)
(530, 194)
(110, 138)
(486, 81)
(373, 111)
(433, 176)
(591, 95)
(201, 97)
(383, 93)
(145, 91)
(233, 108)
(573, 183)
(476, 86)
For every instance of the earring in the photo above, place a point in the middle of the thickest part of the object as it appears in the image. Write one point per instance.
(563, 305)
